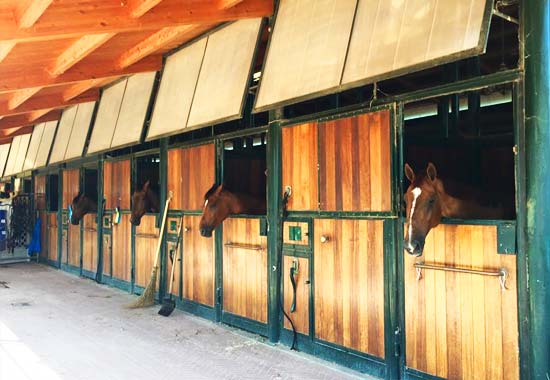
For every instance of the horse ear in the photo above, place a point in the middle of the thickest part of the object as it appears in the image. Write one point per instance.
(219, 189)
(431, 171)
(146, 185)
(409, 173)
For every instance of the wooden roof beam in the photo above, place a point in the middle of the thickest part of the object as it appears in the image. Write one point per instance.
(24, 120)
(226, 4)
(167, 13)
(78, 51)
(50, 102)
(84, 71)
(151, 44)
(5, 49)
(29, 11)
(6, 135)
(138, 8)
(19, 98)
(78, 88)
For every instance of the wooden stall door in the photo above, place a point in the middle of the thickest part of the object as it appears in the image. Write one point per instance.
(460, 325)
(245, 269)
(147, 235)
(198, 263)
(52, 236)
(71, 187)
(116, 184)
(89, 251)
(74, 245)
(355, 163)
(349, 284)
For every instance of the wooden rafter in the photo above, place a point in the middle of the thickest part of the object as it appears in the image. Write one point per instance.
(84, 72)
(10, 133)
(138, 8)
(29, 11)
(151, 44)
(24, 120)
(50, 102)
(81, 87)
(5, 49)
(226, 4)
(167, 13)
(21, 97)
(78, 51)
(35, 115)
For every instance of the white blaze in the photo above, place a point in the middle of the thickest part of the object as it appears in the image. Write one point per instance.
(416, 193)
(205, 203)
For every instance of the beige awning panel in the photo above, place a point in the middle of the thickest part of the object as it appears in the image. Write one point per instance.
(312, 52)
(45, 144)
(107, 115)
(177, 87)
(133, 109)
(36, 137)
(225, 72)
(10, 165)
(4, 150)
(79, 132)
(63, 135)
(206, 82)
(22, 153)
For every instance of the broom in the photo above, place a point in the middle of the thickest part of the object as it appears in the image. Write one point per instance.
(147, 298)
(168, 304)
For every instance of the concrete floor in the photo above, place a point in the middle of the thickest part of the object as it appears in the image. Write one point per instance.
(54, 326)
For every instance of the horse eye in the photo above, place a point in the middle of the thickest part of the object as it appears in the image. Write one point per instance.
(431, 201)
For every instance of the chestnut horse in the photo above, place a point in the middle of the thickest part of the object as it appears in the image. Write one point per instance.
(429, 198)
(143, 201)
(82, 204)
(219, 203)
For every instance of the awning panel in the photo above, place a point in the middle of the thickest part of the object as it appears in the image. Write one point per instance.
(4, 150)
(80, 129)
(63, 135)
(36, 137)
(45, 144)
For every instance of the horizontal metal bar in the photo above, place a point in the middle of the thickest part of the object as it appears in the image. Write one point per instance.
(502, 273)
(144, 235)
(506, 17)
(251, 247)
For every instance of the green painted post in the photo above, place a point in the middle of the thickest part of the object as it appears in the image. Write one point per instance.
(536, 23)
(273, 217)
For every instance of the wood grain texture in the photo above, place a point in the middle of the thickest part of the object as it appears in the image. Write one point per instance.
(245, 270)
(89, 243)
(122, 249)
(198, 263)
(191, 172)
(116, 184)
(146, 246)
(52, 236)
(71, 186)
(40, 192)
(459, 325)
(349, 284)
(107, 253)
(74, 245)
(355, 163)
(300, 317)
(64, 246)
(299, 152)
(43, 235)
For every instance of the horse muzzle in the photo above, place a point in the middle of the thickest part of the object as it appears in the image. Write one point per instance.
(414, 247)
(75, 222)
(206, 231)
(135, 221)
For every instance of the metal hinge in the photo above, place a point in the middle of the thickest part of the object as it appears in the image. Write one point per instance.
(397, 341)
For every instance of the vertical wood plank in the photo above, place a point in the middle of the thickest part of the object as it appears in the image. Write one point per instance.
(122, 249)
(146, 244)
(89, 246)
(52, 236)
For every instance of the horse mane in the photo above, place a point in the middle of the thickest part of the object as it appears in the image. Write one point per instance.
(80, 193)
(211, 191)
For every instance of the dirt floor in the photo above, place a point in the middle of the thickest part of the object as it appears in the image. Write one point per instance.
(55, 326)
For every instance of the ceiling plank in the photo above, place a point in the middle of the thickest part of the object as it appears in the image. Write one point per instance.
(24, 120)
(167, 13)
(50, 102)
(20, 97)
(84, 71)
(139, 7)
(226, 4)
(78, 51)
(5, 49)
(151, 44)
(29, 11)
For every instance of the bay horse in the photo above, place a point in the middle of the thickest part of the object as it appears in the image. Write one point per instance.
(81, 205)
(429, 198)
(219, 203)
(143, 201)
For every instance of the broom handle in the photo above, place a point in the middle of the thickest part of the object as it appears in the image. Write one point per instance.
(176, 248)
(170, 194)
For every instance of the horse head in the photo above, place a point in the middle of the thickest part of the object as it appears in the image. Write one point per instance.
(424, 209)
(143, 201)
(81, 205)
(219, 203)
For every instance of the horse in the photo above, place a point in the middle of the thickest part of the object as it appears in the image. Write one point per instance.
(143, 201)
(219, 203)
(81, 205)
(429, 198)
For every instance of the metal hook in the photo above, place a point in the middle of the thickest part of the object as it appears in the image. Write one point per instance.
(503, 278)
(418, 274)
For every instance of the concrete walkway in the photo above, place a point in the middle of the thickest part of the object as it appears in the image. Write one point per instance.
(54, 326)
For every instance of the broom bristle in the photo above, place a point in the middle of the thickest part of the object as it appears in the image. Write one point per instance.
(147, 298)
